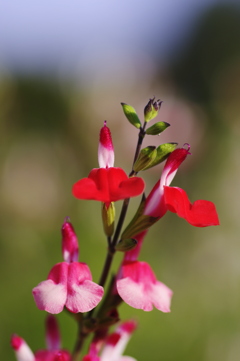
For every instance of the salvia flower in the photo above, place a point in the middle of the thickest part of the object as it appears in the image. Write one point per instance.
(137, 284)
(69, 283)
(107, 183)
(53, 351)
(201, 213)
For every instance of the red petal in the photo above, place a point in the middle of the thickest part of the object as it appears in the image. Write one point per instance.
(121, 186)
(94, 187)
(199, 214)
(108, 185)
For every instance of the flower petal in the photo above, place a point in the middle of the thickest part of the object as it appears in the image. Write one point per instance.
(161, 296)
(199, 214)
(50, 295)
(133, 294)
(83, 294)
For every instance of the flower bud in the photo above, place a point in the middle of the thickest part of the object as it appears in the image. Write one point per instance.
(162, 152)
(151, 109)
(108, 218)
(69, 242)
(105, 148)
(125, 245)
(145, 158)
(131, 115)
(157, 128)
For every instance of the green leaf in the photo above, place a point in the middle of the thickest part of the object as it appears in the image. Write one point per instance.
(157, 128)
(131, 115)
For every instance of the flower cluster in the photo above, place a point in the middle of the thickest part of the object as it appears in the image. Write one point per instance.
(69, 284)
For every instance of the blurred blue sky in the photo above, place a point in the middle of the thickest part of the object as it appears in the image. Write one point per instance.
(76, 35)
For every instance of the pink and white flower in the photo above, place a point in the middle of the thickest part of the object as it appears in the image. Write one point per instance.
(69, 283)
(138, 286)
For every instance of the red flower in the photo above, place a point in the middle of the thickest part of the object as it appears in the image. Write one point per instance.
(108, 185)
(163, 197)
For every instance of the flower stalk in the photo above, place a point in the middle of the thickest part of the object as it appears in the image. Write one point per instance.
(69, 284)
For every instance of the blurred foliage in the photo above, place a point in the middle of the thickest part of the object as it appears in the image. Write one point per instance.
(49, 139)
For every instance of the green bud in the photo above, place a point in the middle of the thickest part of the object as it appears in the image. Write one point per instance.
(131, 115)
(163, 152)
(146, 157)
(157, 128)
(108, 218)
(151, 109)
(125, 245)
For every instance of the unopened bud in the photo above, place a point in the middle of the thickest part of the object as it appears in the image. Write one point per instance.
(151, 109)
(157, 128)
(145, 158)
(108, 218)
(163, 152)
(69, 242)
(105, 148)
(131, 115)
(125, 245)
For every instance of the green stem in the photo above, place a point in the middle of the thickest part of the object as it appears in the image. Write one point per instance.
(141, 136)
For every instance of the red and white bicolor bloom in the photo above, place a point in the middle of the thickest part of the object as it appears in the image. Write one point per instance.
(69, 283)
(113, 345)
(53, 351)
(107, 183)
(201, 213)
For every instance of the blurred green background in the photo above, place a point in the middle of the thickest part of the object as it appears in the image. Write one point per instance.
(49, 128)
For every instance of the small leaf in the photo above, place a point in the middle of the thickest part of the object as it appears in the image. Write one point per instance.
(157, 128)
(131, 115)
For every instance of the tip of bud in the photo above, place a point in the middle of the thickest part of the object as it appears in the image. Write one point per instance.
(105, 148)
(16, 342)
(69, 242)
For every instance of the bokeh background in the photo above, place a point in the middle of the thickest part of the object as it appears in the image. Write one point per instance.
(64, 69)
